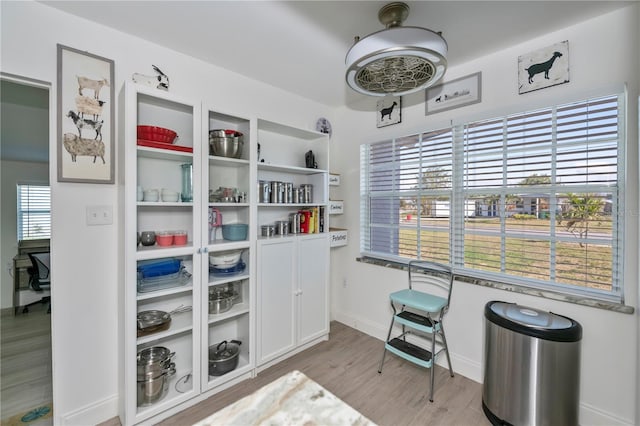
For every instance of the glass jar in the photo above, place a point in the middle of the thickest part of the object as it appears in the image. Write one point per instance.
(187, 182)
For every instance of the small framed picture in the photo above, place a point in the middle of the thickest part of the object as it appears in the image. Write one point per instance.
(543, 68)
(389, 111)
(456, 93)
(86, 117)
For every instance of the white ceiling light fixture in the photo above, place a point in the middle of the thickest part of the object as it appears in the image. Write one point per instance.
(397, 60)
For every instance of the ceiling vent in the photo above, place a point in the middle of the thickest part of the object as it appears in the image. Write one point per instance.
(397, 60)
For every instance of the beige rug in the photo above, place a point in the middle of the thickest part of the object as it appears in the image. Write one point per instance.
(293, 399)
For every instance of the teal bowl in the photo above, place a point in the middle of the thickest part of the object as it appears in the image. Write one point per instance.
(235, 231)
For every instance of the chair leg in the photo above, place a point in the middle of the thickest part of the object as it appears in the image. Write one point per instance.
(385, 342)
(433, 362)
(446, 349)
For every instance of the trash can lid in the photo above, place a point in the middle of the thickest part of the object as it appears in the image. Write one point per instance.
(533, 322)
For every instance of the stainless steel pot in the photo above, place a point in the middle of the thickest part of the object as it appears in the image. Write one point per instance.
(223, 357)
(153, 362)
(151, 389)
(221, 300)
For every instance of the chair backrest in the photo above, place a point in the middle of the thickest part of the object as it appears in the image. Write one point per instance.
(41, 268)
(423, 274)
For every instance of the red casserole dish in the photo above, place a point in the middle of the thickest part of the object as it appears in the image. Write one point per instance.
(156, 134)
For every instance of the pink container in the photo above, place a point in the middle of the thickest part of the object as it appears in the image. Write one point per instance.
(164, 238)
(180, 238)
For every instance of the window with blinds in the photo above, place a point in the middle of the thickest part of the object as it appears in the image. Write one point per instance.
(34, 212)
(531, 198)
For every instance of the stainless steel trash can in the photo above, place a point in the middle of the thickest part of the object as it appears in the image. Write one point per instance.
(532, 366)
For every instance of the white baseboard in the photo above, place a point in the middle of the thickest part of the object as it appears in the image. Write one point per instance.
(91, 414)
(594, 416)
(471, 369)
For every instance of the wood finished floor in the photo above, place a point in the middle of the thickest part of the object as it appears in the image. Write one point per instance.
(25, 361)
(347, 366)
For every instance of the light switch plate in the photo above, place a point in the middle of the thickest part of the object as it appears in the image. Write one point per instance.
(99, 215)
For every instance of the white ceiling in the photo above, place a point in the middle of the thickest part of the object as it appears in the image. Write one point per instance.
(300, 46)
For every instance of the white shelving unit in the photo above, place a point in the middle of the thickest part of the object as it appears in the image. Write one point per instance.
(292, 306)
(155, 168)
(238, 173)
(192, 333)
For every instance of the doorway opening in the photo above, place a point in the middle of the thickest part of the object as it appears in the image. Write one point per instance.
(26, 391)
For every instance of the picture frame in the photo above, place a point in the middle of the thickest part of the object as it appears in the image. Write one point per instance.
(388, 111)
(453, 94)
(86, 117)
(543, 68)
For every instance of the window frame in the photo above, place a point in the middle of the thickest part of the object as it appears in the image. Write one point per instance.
(456, 226)
(22, 215)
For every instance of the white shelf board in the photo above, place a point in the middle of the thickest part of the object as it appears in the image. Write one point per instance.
(216, 160)
(290, 169)
(228, 278)
(221, 204)
(299, 205)
(180, 323)
(164, 154)
(236, 310)
(164, 204)
(155, 252)
(165, 292)
(285, 129)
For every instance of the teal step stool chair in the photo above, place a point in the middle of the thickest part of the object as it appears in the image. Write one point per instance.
(420, 314)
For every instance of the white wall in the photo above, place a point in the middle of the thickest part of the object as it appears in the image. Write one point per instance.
(12, 173)
(85, 258)
(603, 54)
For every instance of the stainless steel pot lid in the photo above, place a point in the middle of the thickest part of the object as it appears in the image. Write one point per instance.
(224, 295)
(154, 354)
(224, 350)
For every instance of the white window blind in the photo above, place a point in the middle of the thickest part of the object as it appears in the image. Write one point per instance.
(532, 198)
(407, 188)
(34, 211)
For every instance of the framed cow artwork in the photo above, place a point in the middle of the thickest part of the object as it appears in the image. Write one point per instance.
(86, 117)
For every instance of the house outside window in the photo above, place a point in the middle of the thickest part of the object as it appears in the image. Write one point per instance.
(529, 199)
(34, 211)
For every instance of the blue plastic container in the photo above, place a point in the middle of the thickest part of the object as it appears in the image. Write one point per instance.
(235, 231)
(156, 268)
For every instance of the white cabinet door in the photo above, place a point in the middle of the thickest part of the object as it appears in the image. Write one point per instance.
(277, 269)
(313, 287)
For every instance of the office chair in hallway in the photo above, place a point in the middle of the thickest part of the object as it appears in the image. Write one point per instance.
(39, 278)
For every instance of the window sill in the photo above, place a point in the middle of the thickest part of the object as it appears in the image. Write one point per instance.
(579, 300)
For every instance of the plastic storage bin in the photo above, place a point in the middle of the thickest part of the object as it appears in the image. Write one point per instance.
(532, 366)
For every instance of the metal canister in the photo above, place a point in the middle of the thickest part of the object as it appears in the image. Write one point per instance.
(307, 193)
(294, 223)
(282, 227)
(267, 230)
(288, 192)
(273, 196)
(281, 191)
(295, 195)
(264, 191)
